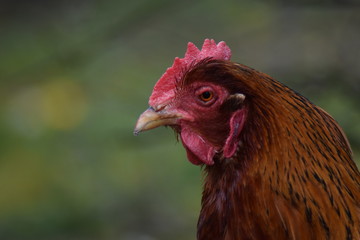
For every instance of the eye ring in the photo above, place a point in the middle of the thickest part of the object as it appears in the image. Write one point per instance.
(206, 96)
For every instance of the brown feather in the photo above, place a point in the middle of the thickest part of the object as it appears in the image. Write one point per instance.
(292, 177)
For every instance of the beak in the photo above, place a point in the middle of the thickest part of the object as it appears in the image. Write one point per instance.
(152, 119)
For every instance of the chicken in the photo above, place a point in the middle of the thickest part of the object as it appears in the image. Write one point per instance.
(276, 165)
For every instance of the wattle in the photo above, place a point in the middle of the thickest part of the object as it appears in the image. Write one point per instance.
(197, 149)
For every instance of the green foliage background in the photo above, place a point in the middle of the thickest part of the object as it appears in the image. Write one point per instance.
(75, 75)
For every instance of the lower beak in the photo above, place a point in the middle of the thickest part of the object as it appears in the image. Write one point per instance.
(152, 119)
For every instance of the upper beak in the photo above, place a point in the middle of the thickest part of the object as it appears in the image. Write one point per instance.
(151, 119)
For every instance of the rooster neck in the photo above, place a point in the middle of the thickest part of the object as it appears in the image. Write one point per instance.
(228, 189)
(281, 183)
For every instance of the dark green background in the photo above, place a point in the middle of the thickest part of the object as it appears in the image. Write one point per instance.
(75, 75)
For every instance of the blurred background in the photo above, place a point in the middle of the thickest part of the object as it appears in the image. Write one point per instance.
(75, 75)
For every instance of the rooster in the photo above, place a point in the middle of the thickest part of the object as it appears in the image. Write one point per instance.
(276, 165)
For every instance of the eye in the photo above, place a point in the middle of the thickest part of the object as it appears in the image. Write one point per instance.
(206, 96)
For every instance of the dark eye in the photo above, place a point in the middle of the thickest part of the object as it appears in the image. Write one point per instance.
(206, 96)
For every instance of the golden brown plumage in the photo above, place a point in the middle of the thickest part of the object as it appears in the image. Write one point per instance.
(291, 174)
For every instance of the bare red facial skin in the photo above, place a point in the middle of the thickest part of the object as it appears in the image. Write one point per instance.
(200, 151)
(208, 132)
(200, 102)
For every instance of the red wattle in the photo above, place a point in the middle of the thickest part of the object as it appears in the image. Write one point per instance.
(198, 150)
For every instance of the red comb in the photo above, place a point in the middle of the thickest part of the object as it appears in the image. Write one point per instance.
(164, 89)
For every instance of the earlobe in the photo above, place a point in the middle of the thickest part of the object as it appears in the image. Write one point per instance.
(236, 125)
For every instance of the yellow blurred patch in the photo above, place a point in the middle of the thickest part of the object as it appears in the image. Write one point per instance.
(64, 104)
(23, 181)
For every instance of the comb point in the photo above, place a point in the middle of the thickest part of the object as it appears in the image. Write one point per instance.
(164, 89)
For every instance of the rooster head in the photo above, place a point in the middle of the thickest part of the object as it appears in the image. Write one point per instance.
(196, 99)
